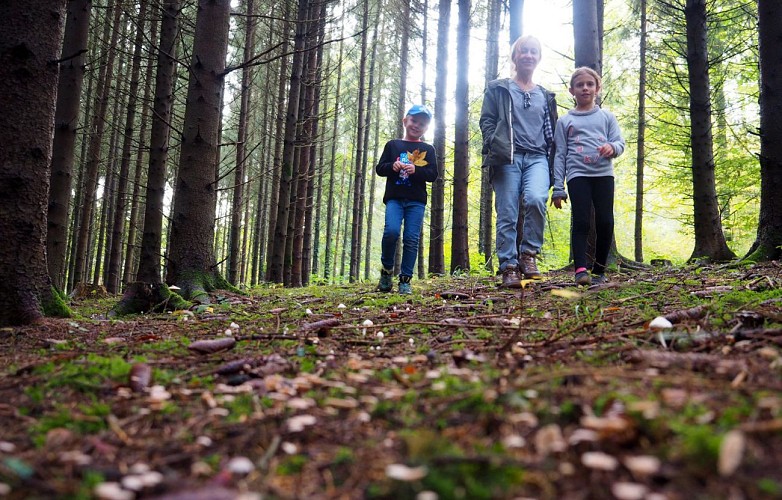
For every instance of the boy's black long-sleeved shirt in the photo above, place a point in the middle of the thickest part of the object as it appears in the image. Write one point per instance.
(414, 186)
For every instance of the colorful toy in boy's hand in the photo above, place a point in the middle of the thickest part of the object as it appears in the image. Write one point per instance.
(404, 159)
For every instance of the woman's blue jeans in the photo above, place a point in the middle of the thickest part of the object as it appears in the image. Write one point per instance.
(528, 175)
(412, 214)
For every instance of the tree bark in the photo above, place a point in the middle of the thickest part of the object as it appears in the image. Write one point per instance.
(460, 253)
(331, 248)
(98, 126)
(151, 240)
(120, 206)
(360, 176)
(66, 120)
(437, 219)
(278, 266)
(236, 252)
(769, 238)
(641, 145)
(709, 239)
(192, 264)
(516, 21)
(30, 41)
(485, 226)
(133, 241)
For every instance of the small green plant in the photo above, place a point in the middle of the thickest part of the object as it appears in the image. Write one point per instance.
(291, 465)
(85, 419)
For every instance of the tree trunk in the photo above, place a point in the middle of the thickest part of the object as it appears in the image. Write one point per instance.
(120, 206)
(277, 266)
(330, 248)
(66, 121)
(586, 36)
(641, 145)
(316, 148)
(365, 156)
(460, 253)
(361, 122)
(149, 293)
(709, 239)
(30, 40)
(485, 226)
(98, 126)
(192, 264)
(131, 264)
(279, 145)
(516, 15)
(769, 239)
(151, 241)
(304, 165)
(236, 252)
(404, 56)
(437, 221)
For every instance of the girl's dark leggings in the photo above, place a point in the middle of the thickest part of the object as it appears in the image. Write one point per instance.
(586, 192)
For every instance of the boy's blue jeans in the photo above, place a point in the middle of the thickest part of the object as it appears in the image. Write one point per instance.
(527, 175)
(412, 213)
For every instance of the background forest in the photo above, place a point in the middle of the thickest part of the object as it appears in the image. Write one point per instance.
(395, 62)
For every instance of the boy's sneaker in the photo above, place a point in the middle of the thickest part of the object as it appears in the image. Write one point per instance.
(510, 277)
(583, 279)
(529, 267)
(599, 279)
(404, 285)
(386, 282)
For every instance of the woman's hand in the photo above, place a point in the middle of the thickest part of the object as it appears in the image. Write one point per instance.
(557, 202)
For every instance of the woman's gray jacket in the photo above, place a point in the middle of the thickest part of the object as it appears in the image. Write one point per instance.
(497, 125)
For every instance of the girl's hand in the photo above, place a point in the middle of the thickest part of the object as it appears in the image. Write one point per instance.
(410, 168)
(606, 151)
(398, 165)
(557, 202)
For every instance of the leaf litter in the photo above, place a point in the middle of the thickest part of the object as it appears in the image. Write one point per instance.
(462, 390)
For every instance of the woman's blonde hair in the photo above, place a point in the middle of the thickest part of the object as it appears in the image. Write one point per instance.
(585, 70)
(522, 40)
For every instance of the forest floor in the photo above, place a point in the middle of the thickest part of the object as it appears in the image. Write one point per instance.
(462, 390)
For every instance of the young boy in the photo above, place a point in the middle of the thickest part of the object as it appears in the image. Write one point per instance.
(407, 164)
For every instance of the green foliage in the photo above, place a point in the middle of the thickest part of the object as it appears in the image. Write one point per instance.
(86, 373)
(292, 464)
(84, 419)
(451, 471)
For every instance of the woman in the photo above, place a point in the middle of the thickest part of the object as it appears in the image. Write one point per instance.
(518, 118)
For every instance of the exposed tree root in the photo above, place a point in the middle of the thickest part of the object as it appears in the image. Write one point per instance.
(141, 297)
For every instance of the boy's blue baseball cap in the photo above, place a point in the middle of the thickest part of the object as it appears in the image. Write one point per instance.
(419, 109)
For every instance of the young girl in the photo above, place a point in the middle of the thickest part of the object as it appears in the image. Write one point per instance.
(586, 139)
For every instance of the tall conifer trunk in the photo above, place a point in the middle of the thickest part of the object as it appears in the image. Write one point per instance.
(192, 265)
(30, 41)
(70, 82)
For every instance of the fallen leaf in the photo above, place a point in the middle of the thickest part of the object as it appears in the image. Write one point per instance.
(402, 472)
(642, 466)
(629, 491)
(549, 440)
(731, 452)
(599, 460)
(565, 293)
(299, 422)
(212, 346)
(140, 377)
